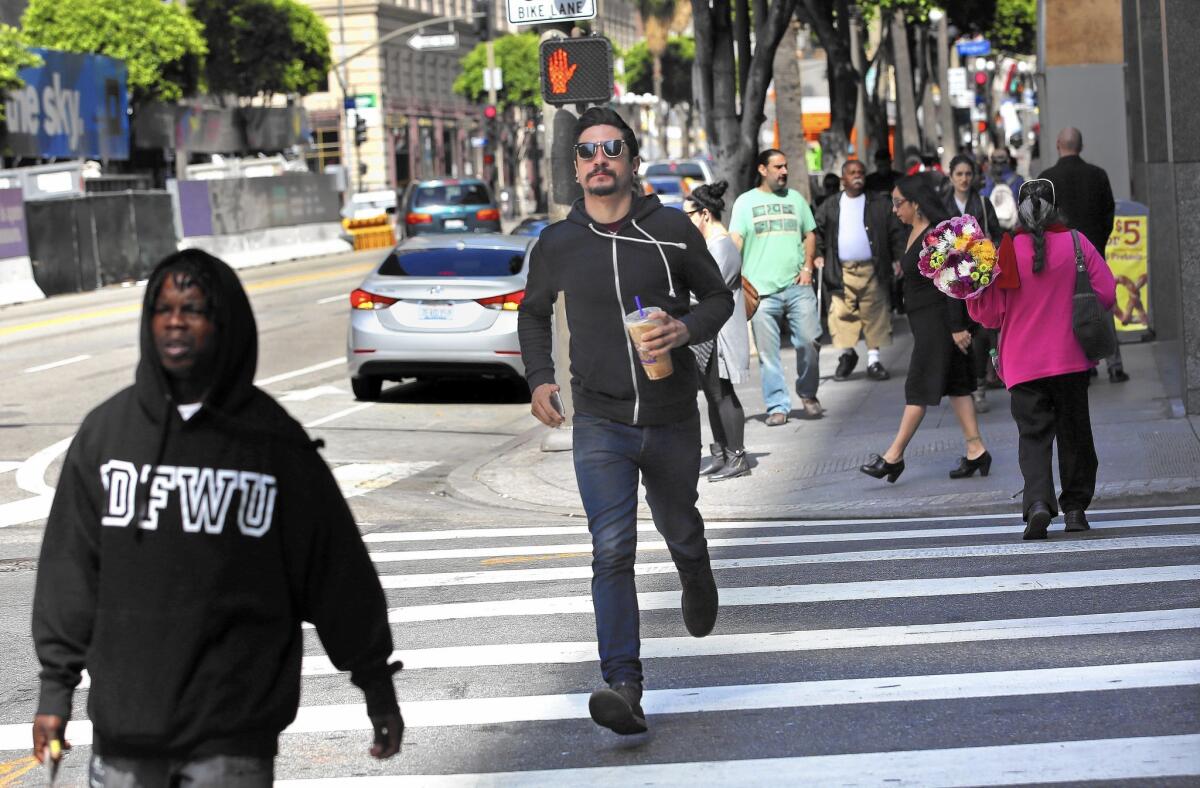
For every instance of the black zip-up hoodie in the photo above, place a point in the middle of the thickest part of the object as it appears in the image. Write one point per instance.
(180, 558)
(657, 255)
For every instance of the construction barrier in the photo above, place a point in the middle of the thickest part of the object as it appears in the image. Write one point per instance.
(373, 233)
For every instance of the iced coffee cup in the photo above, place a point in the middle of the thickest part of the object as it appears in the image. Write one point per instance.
(657, 365)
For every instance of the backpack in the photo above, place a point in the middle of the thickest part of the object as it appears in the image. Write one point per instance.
(1005, 204)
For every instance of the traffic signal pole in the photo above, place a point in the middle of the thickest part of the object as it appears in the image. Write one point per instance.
(501, 182)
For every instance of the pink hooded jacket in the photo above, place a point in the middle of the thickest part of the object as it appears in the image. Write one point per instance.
(1036, 339)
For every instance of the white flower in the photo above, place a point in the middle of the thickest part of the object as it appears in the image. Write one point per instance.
(964, 268)
(945, 278)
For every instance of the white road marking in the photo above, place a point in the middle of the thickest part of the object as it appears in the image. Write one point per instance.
(801, 640)
(333, 362)
(745, 697)
(28, 510)
(5, 467)
(360, 478)
(332, 298)
(57, 364)
(1140, 758)
(31, 477)
(489, 576)
(717, 525)
(340, 414)
(306, 395)
(655, 543)
(810, 593)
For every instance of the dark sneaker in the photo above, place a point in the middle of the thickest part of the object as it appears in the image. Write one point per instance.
(846, 365)
(1117, 375)
(1076, 521)
(619, 708)
(877, 372)
(776, 419)
(1038, 522)
(699, 601)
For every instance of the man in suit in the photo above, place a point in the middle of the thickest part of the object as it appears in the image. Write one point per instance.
(858, 238)
(1085, 200)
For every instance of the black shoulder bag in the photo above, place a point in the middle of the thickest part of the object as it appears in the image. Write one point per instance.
(1087, 315)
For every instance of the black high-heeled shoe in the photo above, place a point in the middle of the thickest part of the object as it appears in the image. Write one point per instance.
(966, 468)
(879, 468)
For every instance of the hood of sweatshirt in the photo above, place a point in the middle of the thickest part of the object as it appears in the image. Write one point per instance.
(236, 358)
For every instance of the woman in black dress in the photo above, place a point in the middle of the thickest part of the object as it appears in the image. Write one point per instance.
(940, 364)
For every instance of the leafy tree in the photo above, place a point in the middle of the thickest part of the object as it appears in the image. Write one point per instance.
(676, 68)
(1015, 26)
(13, 57)
(161, 43)
(262, 47)
(517, 57)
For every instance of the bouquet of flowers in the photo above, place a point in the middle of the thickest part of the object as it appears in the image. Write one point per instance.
(959, 258)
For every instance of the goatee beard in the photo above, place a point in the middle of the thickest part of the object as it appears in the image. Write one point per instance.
(603, 190)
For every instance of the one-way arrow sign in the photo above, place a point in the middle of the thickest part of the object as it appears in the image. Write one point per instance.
(440, 41)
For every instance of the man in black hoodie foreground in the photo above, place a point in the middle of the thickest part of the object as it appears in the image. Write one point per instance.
(614, 249)
(194, 527)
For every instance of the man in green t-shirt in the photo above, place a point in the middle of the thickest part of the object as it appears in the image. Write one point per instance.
(773, 226)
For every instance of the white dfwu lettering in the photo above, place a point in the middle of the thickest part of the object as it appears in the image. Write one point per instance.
(205, 496)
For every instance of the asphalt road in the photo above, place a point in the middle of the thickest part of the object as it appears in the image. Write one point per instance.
(924, 652)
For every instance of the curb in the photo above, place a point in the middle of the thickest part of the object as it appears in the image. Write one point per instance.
(462, 483)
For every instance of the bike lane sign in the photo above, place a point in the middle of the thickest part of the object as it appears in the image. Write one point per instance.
(540, 12)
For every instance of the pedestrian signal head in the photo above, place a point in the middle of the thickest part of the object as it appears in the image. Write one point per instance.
(577, 70)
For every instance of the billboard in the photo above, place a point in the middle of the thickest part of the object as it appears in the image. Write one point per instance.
(73, 106)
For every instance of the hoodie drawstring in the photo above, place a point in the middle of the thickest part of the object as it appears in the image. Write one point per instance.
(652, 240)
(144, 488)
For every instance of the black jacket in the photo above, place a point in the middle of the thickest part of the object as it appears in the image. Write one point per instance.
(183, 597)
(656, 254)
(1085, 198)
(981, 209)
(884, 232)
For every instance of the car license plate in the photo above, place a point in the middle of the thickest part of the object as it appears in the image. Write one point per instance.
(434, 311)
(455, 224)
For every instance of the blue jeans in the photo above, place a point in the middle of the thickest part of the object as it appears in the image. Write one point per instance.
(608, 458)
(798, 306)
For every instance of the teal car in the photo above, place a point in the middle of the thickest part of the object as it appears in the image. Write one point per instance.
(449, 205)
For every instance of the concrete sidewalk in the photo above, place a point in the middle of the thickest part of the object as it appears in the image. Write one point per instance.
(809, 469)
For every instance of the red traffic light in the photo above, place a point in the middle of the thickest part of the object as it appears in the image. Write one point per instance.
(576, 70)
(980, 78)
(489, 112)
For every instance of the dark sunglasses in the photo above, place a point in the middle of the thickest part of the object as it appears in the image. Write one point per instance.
(612, 149)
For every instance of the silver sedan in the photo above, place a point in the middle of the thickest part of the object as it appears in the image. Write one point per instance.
(438, 306)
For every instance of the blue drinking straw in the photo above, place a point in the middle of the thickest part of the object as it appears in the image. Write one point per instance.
(638, 300)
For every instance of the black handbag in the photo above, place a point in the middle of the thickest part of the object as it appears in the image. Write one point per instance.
(1088, 316)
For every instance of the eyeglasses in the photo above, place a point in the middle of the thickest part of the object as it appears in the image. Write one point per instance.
(690, 213)
(898, 201)
(612, 149)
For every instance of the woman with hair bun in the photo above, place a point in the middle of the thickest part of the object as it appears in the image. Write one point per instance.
(1041, 362)
(940, 366)
(724, 361)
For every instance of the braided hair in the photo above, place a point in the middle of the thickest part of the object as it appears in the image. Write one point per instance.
(1036, 211)
(710, 197)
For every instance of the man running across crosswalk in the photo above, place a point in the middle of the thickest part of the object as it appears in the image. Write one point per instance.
(194, 527)
(615, 254)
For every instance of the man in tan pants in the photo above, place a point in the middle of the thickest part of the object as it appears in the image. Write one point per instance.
(858, 241)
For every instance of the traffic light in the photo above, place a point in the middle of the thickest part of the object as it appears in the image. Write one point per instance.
(360, 130)
(482, 11)
(577, 70)
(489, 112)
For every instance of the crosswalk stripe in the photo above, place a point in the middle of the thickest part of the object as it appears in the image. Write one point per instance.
(754, 541)
(1138, 758)
(801, 640)
(709, 526)
(440, 579)
(809, 593)
(743, 697)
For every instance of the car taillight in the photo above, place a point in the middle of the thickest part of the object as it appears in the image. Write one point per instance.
(509, 302)
(361, 299)
(418, 218)
(487, 215)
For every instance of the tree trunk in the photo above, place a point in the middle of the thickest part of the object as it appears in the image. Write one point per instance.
(906, 108)
(789, 112)
(741, 36)
(844, 81)
(664, 115)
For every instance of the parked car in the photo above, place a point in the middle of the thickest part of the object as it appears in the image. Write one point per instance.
(693, 169)
(438, 306)
(670, 189)
(449, 205)
(531, 225)
(366, 205)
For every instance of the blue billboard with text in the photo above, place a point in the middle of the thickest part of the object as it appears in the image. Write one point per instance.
(73, 106)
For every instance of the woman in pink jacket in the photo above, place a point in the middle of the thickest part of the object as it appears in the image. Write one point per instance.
(1040, 361)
